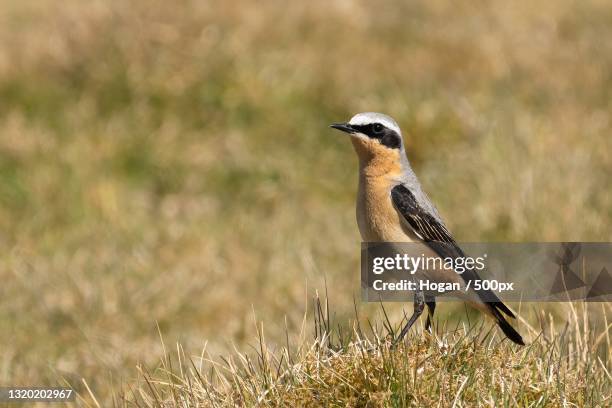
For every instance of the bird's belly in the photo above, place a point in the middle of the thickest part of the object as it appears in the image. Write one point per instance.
(380, 222)
(374, 232)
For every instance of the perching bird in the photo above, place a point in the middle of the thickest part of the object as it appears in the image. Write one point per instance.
(392, 207)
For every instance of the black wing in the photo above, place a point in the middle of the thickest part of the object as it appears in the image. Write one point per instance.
(436, 236)
(424, 224)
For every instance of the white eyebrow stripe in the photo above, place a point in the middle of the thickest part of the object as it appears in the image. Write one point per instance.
(367, 118)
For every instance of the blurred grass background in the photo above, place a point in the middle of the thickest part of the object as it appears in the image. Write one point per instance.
(170, 163)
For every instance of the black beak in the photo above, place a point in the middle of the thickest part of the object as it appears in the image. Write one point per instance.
(345, 127)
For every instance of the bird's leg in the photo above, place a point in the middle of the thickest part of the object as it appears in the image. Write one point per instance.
(430, 301)
(419, 305)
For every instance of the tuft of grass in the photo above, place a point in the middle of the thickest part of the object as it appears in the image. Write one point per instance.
(460, 367)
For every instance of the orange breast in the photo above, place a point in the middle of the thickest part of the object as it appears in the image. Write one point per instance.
(376, 217)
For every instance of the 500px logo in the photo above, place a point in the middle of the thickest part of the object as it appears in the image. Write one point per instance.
(412, 264)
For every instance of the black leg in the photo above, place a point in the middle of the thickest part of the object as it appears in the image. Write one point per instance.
(419, 305)
(430, 301)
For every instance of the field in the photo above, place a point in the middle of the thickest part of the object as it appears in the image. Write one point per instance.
(166, 167)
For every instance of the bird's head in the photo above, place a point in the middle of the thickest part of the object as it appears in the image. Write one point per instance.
(375, 136)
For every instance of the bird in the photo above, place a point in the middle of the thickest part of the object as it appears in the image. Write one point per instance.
(392, 206)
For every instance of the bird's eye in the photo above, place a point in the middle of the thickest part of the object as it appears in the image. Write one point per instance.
(377, 128)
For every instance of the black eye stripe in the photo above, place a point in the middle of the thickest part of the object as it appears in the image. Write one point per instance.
(369, 129)
(387, 137)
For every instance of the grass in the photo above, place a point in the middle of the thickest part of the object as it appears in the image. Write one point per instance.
(167, 166)
(463, 366)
